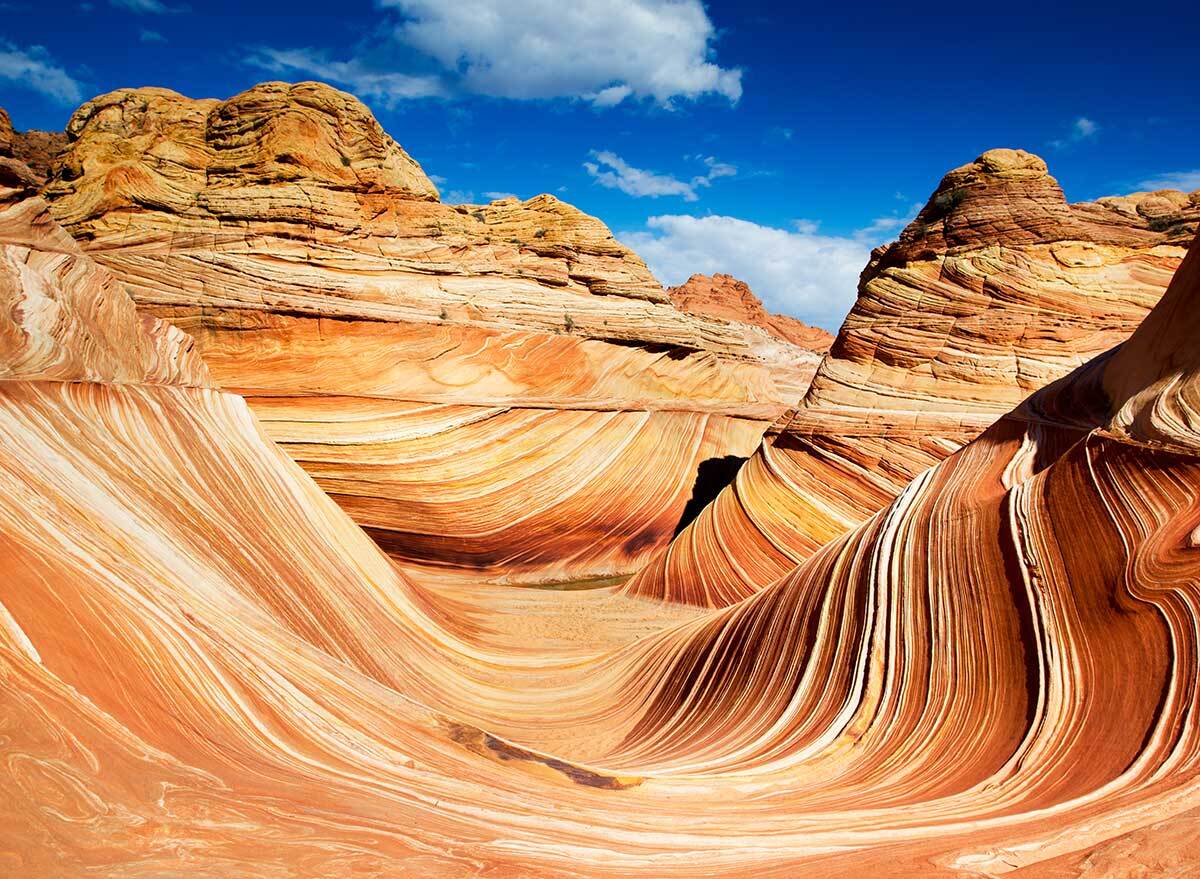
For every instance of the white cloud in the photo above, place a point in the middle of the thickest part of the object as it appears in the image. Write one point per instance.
(387, 87)
(459, 196)
(496, 196)
(795, 271)
(601, 51)
(149, 7)
(613, 172)
(611, 96)
(715, 169)
(882, 229)
(1082, 129)
(34, 69)
(148, 36)
(1188, 181)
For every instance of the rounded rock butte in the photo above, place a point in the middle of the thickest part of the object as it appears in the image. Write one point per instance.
(206, 665)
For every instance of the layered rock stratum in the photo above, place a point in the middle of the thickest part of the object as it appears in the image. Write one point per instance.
(725, 297)
(501, 388)
(206, 667)
(998, 287)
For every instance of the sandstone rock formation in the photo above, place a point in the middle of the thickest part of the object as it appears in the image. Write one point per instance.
(498, 387)
(997, 288)
(36, 149)
(725, 297)
(207, 668)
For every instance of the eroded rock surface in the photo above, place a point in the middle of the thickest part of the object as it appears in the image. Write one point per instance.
(513, 355)
(998, 287)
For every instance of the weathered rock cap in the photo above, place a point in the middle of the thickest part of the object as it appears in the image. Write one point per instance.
(312, 131)
(275, 132)
(1008, 197)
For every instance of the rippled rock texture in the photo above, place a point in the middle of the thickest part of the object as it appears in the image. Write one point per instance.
(501, 388)
(208, 669)
(997, 288)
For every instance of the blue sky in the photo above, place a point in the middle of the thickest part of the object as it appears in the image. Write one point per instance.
(778, 142)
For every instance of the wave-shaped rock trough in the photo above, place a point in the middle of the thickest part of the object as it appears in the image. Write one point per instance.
(206, 667)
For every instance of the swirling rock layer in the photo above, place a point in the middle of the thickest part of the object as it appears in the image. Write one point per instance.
(997, 288)
(207, 668)
(391, 342)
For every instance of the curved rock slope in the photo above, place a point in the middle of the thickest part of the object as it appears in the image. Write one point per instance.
(498, 387)
(995, 289)
(207, 668)
(167, 573)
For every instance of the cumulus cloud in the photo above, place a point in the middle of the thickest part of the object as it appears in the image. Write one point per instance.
(1188, 181)
(34, 69)
(797, 270)
(497, 196)
(388, 88)
(601, 51)
(613, 172)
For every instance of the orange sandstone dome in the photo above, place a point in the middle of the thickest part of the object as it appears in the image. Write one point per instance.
(498, 388)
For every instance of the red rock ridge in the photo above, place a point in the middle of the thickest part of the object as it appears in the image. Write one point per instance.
(725, 297)
(37, 149)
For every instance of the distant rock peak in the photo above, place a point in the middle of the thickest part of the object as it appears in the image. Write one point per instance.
(725, 297)
(35, 149)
